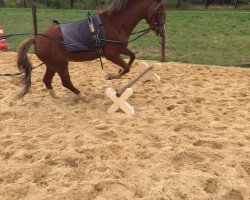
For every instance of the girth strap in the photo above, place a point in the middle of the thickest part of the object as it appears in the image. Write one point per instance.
(96, 38)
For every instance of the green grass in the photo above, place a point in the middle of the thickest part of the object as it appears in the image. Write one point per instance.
(221, 38)
(202, 37)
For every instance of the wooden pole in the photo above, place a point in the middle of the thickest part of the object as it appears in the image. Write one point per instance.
(163, 47)
(133, 81)
(34, 20)
(163, 41)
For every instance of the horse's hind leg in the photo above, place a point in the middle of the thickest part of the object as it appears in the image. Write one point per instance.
(47, 79)
(66, 82)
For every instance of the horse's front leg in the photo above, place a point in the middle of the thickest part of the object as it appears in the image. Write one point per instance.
(131, 56)
(119, 61)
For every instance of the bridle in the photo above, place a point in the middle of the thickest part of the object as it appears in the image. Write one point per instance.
(157, 16)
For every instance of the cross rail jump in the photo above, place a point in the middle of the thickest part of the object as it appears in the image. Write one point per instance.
(119, 98)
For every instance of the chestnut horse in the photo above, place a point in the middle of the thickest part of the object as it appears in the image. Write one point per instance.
(119, 21)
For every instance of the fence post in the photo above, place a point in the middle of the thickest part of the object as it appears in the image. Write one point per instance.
(163, 41)
(163, 47)
(34, 20)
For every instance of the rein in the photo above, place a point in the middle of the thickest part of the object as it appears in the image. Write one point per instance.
(18, 74)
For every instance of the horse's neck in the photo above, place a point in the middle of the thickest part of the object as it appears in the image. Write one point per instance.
(130, 18)
(127, 20)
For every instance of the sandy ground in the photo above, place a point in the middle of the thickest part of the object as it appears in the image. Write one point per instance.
(189, 138)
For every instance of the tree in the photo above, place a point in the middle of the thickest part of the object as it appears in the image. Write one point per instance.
(178, 3)
(72, 3)
(47, 3)
(206, 4)
(2, 4)
(236, 4)
(24, 4)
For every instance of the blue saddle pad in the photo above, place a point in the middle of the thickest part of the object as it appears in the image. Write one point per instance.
(77, 36)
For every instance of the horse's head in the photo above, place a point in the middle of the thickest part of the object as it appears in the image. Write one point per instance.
(155, 16)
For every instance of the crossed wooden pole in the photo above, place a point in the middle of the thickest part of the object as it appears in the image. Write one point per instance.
(120, 98)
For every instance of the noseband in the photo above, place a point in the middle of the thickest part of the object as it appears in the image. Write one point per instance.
(156, 14)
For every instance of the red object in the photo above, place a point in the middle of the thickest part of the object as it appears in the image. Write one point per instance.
(3, 44)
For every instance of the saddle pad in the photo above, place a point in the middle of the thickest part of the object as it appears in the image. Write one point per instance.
(77, 36)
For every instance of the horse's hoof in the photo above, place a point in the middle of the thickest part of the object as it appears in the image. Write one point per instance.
(53, 94)
(109, 76)
(17, 98)
(120, 70)
(83, 97)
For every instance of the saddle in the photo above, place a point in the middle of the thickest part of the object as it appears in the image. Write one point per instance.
(85, 35)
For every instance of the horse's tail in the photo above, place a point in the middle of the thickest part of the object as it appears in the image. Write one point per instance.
(24, 65)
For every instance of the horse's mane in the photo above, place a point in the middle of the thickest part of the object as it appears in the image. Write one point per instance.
(117, 6)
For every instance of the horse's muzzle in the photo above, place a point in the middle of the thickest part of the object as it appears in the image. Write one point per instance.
(160, 31)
